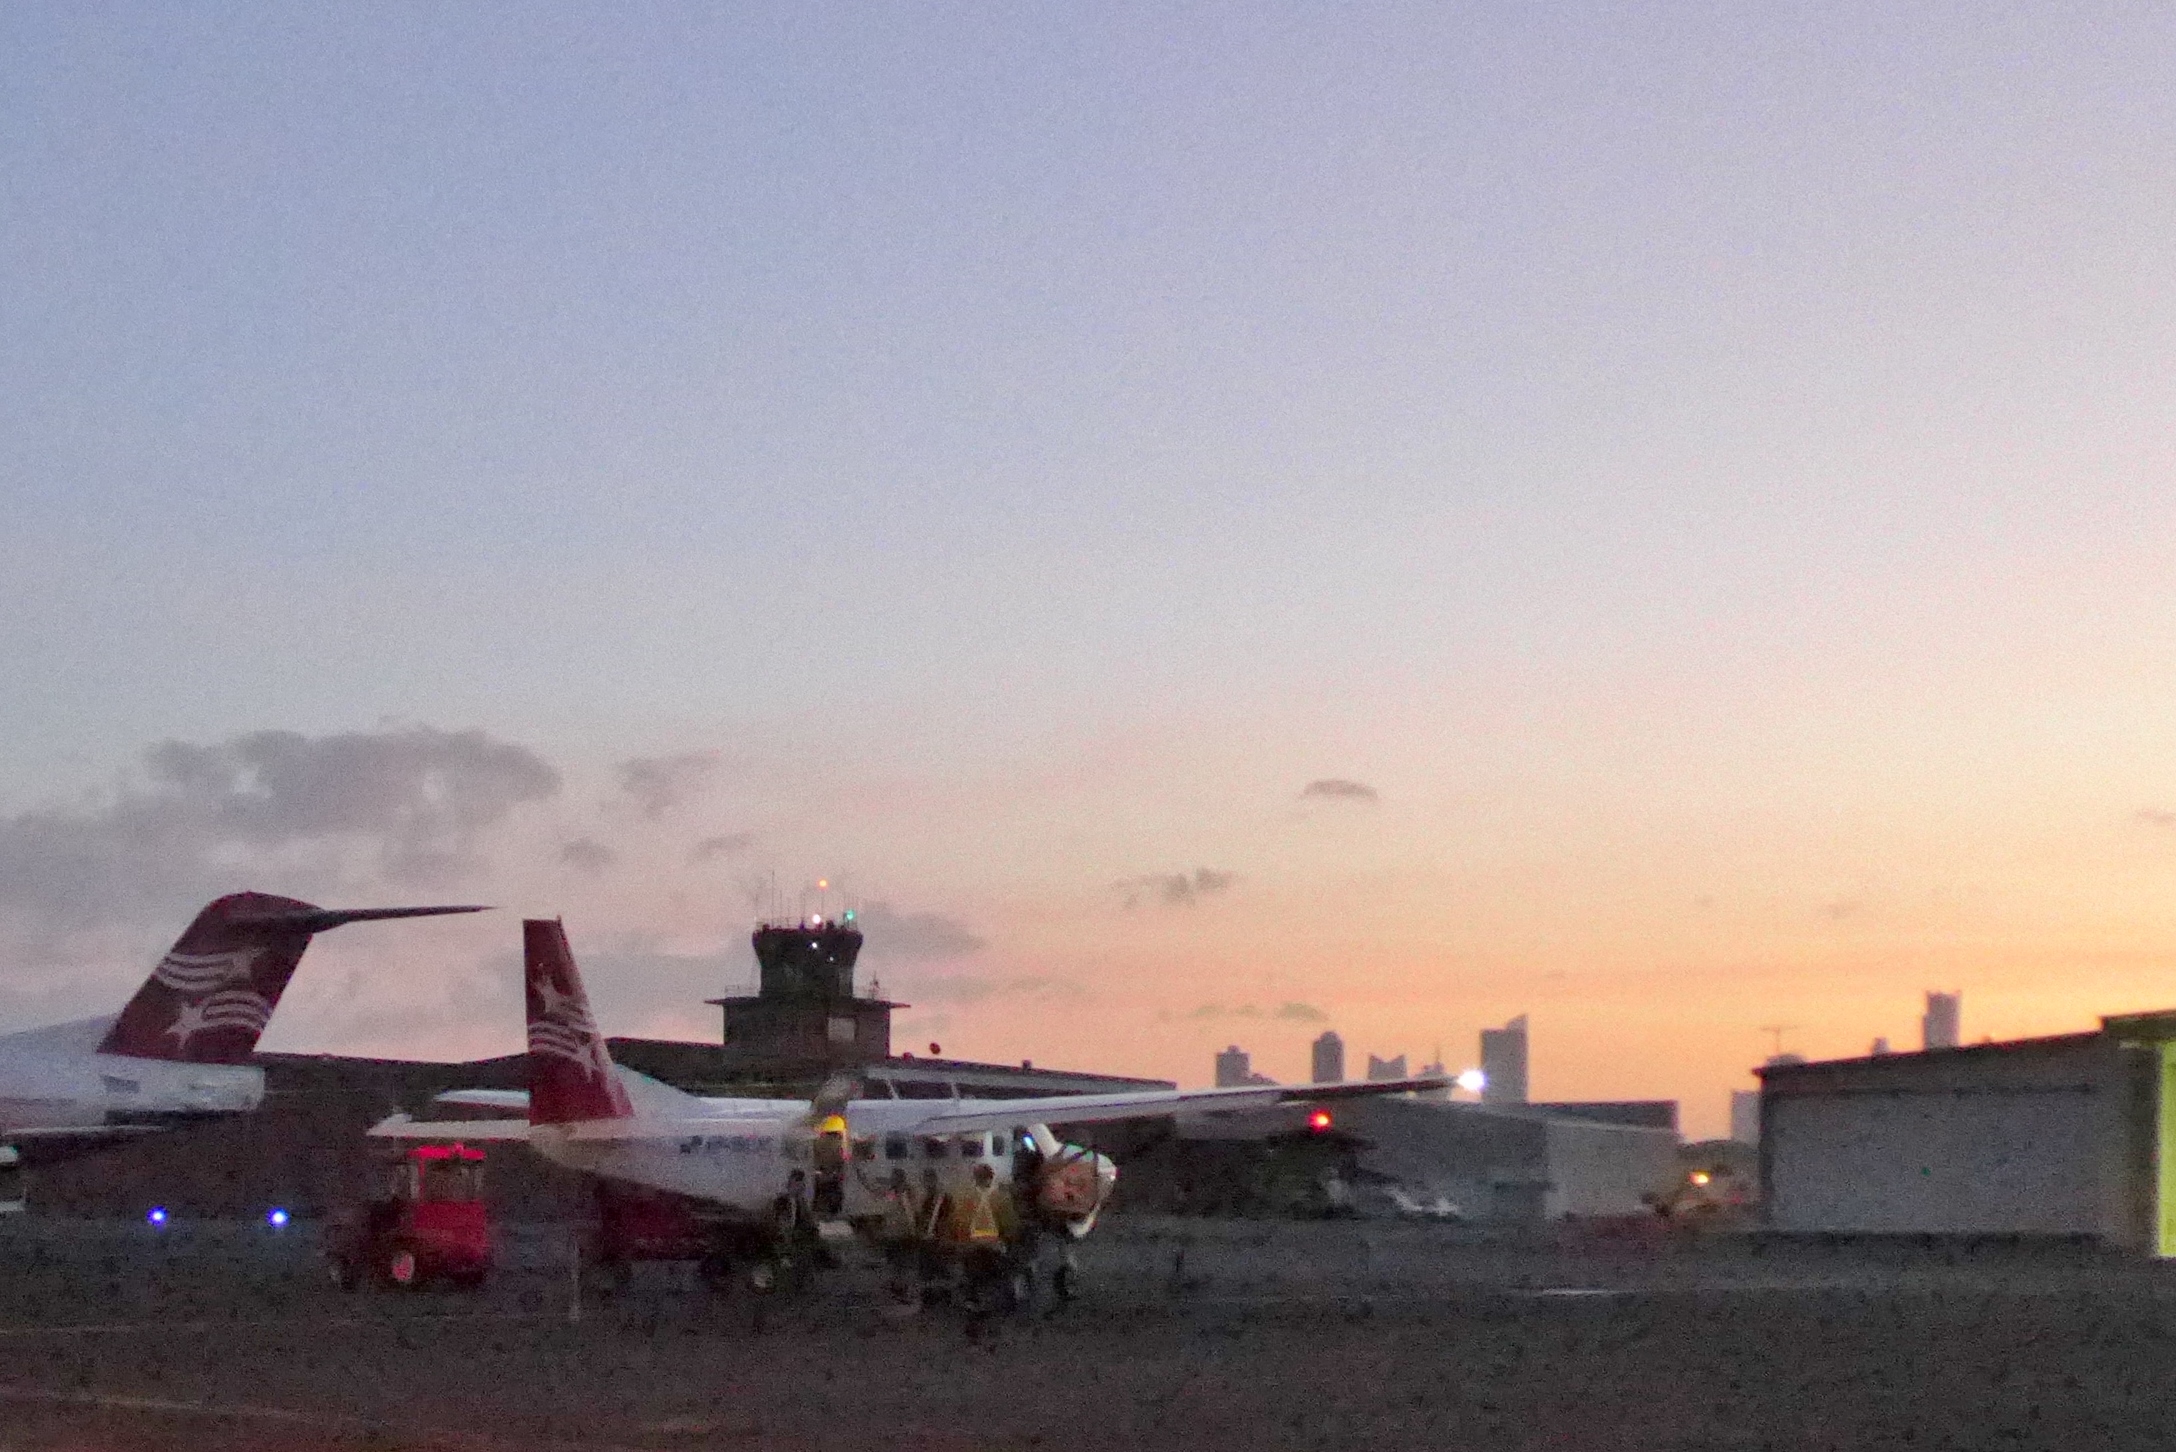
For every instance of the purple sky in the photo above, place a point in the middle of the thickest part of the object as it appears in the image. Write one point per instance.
(1705, 469)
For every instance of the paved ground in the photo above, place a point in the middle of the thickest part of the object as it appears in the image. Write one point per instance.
(1337, 1335)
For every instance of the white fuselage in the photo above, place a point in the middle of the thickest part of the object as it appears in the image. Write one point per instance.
(739, 1153)
(55, 1080)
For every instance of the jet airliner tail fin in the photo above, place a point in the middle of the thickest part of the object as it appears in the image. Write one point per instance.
(571, 1074)
(212, 994)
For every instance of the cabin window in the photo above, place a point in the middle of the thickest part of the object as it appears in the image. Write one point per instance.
(971, 1146)
(934, 1147)
(895, 1146)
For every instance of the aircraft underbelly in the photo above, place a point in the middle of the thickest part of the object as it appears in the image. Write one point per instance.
(739, 1181)
(19, 1111)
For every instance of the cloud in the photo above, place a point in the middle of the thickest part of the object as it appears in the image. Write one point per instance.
(1338, 789)
(659, 783)
(1210, 1011)
(1289, 1012)
(960, 988)
(405, 803)
(2157, 816)
(892, 935)
(1176, 889)
(587, 854)
(725, 844)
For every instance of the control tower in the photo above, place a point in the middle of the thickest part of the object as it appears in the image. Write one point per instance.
(805, 1018)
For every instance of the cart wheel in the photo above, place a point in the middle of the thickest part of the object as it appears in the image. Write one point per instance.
(402, 1270)
(763, 1276)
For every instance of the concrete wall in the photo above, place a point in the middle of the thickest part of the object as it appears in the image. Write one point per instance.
(2015, 1139)
(1493, 1166)
(1513, 1164)
(1608, 1169)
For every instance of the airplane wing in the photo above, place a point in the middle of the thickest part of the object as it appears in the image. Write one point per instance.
(485, 1098)
(41, 1146)
(955, 1116)
(402, 1126)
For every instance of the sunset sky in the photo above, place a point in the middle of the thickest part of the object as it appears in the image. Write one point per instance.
(1206, 522)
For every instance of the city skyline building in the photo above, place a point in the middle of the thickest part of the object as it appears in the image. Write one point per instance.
(1380, 1069)
(1942, 1025)
(1503, 1063)
(1329, 1058)
(1235, 1070)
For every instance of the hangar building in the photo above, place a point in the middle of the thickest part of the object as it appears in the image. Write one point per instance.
(2073, 1135)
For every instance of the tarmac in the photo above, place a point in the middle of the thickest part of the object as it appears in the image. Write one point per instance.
(1189, 1333)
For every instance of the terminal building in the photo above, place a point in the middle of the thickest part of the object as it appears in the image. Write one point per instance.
(2072, 1135)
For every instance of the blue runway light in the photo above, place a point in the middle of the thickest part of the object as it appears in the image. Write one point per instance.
(157, 1215)
(275, 1218)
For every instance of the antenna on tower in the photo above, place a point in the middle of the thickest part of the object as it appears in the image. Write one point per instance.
(1775, 1047)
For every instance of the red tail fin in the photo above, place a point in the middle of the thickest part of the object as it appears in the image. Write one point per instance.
(212, 994)
(570, 1071)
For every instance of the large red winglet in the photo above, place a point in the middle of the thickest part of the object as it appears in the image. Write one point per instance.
(570, 1071)
(212, 994)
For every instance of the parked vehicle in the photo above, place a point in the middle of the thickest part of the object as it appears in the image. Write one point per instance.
(427, 1225)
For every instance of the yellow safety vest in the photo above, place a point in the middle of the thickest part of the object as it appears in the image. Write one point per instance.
(982, 1223)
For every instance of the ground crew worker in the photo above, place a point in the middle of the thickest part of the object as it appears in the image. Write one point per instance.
(985, 1228)
(796, 1224)
(932, 1220)
(898, 1232)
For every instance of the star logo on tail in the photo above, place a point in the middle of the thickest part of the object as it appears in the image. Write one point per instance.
(190, 1021)
(563, 1029)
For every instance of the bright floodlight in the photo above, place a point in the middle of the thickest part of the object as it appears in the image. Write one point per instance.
(276, 1218)
(1473, 1081)
(157, 1215)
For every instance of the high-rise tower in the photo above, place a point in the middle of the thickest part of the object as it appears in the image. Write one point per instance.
(1503, 1063)
(1329, 1058)
(1940, 1027)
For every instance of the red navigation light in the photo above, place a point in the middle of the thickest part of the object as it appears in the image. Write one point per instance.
(1319, 1120)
